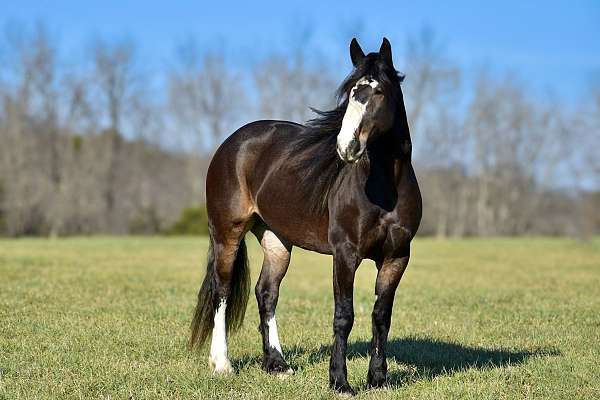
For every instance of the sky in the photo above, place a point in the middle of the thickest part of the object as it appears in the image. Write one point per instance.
(553, 46)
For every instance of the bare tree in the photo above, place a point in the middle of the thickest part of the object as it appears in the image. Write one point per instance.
(207, 101)
(88, 147)
(31, 132)
(288, 85)
(517, 148)
(433, 94)
(114, 72)
(431, 77)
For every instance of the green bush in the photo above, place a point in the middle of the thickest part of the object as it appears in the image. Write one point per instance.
(146, 222)
(2, 216)
(193, 221)
(2, 224)
(76, 141)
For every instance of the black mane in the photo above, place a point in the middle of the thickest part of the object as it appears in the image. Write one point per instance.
(313, 152)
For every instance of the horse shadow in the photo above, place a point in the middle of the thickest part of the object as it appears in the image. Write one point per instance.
(428, 358)
(425, 358)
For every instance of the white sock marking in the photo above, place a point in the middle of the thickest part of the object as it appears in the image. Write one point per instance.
(218, 345)
(273, 335)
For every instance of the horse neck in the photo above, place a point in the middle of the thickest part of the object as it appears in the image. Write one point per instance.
(394, 148)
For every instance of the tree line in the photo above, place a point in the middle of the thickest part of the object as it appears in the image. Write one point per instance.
(99, 144)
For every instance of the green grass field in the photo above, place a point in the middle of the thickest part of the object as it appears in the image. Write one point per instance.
(100, 318)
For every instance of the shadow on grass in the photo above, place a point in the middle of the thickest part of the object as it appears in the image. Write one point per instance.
(426, 358)
(430, 358)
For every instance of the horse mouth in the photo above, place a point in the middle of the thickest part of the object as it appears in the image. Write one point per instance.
(350, 158)
(355, 157)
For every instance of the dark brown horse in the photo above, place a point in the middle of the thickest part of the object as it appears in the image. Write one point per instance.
(341, 185)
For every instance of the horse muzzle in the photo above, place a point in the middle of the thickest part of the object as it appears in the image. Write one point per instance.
(352, 152)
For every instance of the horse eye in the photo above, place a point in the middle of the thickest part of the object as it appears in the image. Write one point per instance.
(378, 91)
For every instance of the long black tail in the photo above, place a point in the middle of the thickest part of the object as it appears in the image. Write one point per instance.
(202, 324)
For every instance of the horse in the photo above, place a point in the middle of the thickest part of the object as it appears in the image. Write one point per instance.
(342, 185)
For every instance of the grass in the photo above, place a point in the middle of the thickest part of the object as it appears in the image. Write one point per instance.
(100, 318)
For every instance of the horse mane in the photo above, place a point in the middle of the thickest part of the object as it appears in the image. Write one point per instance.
(312, 153)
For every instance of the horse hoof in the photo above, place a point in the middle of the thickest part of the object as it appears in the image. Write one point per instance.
(277, 366)
(344, 391)
(376, 381)
(346, 394)
(284, 374)
(220, 366)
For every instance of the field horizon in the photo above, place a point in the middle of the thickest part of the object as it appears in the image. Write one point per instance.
(108, 317)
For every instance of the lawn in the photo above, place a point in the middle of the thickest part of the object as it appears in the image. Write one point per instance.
(100, 318)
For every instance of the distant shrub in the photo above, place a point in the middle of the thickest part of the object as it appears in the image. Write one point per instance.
(146, 222)
(2, 224)
(76, 141)
(193, 221)
(2, 218)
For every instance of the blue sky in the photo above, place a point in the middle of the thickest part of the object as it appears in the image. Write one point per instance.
(553, 46)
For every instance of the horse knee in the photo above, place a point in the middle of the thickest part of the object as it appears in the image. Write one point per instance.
(381, 325)
(342, 323)
(265, 295)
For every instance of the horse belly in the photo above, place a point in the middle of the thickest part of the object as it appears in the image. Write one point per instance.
(283, 210)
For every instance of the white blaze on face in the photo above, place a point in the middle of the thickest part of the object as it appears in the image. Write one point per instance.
(273, 335)
(353, 117)
(218, 346)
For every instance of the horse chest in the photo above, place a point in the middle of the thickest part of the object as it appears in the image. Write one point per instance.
(387, 237)
(375, 229)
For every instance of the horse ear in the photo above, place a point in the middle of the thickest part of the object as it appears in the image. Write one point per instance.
(356, 53)
(385, 51)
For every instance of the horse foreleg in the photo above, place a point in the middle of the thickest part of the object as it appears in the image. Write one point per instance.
(389, 275)
(345, 263)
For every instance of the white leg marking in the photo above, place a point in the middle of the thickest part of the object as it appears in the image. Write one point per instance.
(273, 335)
(218, 346)
(274, 343)
(277, 253)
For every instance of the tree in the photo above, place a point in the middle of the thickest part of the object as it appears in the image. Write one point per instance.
(432, 92)
(288, 88)
(30, 133)
(115, 76)
(207, 102)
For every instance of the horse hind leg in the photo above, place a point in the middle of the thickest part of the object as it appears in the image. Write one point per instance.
(232, 289)
(223, 295)
(277, 252)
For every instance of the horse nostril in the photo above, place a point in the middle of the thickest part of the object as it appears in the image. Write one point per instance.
(353, 147)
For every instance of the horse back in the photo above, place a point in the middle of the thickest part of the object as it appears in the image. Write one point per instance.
(251, 176)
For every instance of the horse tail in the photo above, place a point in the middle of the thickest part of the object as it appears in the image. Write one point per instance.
(237, 300)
